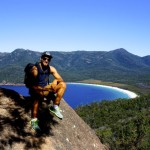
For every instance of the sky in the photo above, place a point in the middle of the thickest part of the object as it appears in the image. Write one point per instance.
(70, 25)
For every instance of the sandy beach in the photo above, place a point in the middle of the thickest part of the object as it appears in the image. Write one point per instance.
(129, 93)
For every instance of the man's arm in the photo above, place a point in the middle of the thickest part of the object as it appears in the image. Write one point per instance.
(34, 73)
(56, 75)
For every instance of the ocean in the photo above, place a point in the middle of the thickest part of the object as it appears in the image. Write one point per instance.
(81, 94)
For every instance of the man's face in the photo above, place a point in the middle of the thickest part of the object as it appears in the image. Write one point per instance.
(45, 61)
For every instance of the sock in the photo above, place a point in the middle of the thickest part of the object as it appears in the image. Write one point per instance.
(34, 119)
(55, 106)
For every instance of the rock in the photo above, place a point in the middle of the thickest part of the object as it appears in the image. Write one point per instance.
(71, 133)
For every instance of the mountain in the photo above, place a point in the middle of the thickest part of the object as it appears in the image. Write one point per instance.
(117, 65)
(71, 133)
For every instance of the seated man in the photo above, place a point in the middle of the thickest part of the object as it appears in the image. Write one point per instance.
(42, 88)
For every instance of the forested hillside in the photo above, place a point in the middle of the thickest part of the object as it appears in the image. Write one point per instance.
(122, 124)
(113, 66)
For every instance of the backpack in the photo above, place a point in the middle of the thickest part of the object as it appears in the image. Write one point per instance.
(29, 81)
(28, 78)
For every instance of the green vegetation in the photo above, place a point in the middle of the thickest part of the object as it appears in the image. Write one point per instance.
(114, 66)
(122, 124)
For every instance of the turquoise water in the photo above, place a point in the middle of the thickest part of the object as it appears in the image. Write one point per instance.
(80, 94)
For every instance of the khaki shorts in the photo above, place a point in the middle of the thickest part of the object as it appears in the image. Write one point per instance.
(39, 93)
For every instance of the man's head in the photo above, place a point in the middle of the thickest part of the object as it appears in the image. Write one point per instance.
(46, 58)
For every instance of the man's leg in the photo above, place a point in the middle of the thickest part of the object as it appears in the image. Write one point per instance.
(35, 108)
(59, 90)
(34, 112)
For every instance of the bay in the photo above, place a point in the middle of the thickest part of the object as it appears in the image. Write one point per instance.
(81, 94)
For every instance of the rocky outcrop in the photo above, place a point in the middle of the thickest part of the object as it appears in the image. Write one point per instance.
(71, 133)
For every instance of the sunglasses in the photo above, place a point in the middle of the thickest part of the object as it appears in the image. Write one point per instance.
(46, 58)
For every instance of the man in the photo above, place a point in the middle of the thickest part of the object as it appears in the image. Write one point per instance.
(42, 88)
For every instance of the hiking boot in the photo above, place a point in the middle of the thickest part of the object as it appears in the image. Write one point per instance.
(34, 124)
(56, 111)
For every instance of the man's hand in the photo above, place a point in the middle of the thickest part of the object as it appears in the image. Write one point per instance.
(53, 85)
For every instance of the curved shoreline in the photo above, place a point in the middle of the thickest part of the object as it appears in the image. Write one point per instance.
(129, 93)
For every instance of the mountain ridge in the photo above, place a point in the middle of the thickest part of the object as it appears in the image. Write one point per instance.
(116, 65)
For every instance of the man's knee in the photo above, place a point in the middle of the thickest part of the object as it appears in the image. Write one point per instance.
(63, 85)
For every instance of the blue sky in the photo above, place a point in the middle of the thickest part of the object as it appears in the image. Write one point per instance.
(70, 25)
